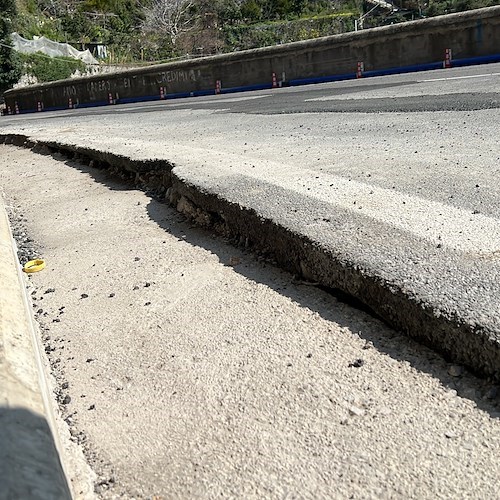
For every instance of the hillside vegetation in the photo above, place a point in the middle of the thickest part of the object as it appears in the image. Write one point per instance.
(151, 30)
(146, 31)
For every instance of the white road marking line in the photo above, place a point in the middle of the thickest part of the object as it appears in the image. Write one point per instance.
(454, 227)
(215, 100)
(433, 221)
(189, 101)
(129, 108)
(345, 97)
(485, 75)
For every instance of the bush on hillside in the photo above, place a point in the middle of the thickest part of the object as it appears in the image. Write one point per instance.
(48, 69)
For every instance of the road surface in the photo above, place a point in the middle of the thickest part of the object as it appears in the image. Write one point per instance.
(193, 371)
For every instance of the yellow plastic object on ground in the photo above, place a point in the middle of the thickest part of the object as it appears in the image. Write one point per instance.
(34, 266)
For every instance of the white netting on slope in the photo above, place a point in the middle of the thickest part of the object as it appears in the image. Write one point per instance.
(50, 48)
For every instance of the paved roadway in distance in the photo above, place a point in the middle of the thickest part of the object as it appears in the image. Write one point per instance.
(469, 88)
(446, 148)
(441, 141)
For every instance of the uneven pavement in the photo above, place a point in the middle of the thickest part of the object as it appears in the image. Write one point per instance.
(397, 209)
(187, 369)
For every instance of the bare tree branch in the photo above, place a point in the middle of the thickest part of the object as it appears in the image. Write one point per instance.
(171, 17)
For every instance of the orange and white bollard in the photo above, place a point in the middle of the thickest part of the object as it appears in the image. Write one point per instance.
(16, 107)
(447, 58)
(360, 69)
(70, 103)
(110, 98)
(218, 87)
(9, 110)
(275, 81)
(162, 92)
(39, 106)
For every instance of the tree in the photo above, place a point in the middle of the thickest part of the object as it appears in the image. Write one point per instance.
(10, 67)
(224, 11)
(251, 10)
(169, 17)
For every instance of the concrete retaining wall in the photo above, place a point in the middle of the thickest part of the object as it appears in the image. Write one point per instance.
(401, 47)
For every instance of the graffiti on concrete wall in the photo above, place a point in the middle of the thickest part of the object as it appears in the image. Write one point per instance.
(175, 76)
(98, 86)
(69, 91)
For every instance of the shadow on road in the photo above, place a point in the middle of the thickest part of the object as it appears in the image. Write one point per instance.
(395, 344)
(29, 463)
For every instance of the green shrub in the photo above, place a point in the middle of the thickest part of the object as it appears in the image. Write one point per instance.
(49, 69)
